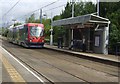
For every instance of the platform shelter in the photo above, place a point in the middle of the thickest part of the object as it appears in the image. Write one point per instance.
(94, 28)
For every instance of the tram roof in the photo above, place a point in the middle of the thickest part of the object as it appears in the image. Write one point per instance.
(89, 18)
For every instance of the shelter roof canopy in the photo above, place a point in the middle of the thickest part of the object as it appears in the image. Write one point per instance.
(89, 18)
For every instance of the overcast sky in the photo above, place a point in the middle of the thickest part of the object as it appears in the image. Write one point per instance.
(26, 6)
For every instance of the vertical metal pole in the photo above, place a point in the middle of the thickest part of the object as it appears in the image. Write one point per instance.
(51, 31)
(72, 8)
(107, 37)
(40, 15)
(72, 16)
(98, 7)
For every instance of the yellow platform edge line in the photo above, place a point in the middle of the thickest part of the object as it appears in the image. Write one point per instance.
(15, 76)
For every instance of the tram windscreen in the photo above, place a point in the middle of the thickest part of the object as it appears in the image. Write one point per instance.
(36, 31)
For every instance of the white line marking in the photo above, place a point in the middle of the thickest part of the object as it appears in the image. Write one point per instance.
(23, 65)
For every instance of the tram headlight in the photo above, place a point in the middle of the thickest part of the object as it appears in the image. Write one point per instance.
(30, 40)
(42, 40)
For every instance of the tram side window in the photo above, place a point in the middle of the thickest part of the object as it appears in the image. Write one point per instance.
(20, 31)
(14, 33)
(26, 30)
(23, 30)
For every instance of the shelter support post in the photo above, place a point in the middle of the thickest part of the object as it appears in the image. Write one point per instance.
(72, 35)
(106, 40)
(51, 36)
(101, 40)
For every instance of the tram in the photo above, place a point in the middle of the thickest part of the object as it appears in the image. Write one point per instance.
(27, 35)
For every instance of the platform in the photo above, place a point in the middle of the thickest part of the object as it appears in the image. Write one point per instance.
(12, 70)
(111, 58)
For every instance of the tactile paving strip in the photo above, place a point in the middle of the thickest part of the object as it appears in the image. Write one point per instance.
(15, 76)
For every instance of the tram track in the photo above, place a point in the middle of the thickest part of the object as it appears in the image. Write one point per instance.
(87, 82)
(74, 62)
(52, 82)
(84, 65)
(105, 61)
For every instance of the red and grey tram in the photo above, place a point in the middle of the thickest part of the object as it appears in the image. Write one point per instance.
(27, 35)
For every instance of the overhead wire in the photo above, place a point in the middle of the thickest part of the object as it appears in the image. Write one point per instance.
(11, 8)
(34, 10)
(44, 10)
(3, 16)
(39, 8)
(54, 8)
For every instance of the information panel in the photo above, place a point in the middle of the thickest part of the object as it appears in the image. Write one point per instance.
(97, 41)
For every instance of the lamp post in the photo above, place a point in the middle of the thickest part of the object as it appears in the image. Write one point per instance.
(73, 1)
(98, 7)
(41, 15)
(51, 31)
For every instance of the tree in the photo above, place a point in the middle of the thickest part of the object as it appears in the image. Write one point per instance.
(31, 19)
(112, 12)
(0, 31)
(67, 12)
(57, 17)
(88, 8)
(47, 25)
(80, 8)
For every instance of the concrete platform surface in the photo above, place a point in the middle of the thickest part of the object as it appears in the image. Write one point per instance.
(112, 58)
(15, 71)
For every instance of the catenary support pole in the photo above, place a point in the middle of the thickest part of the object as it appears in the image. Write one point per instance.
(98, 7)
(40, 15)
(51, 31)
(73, 1)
